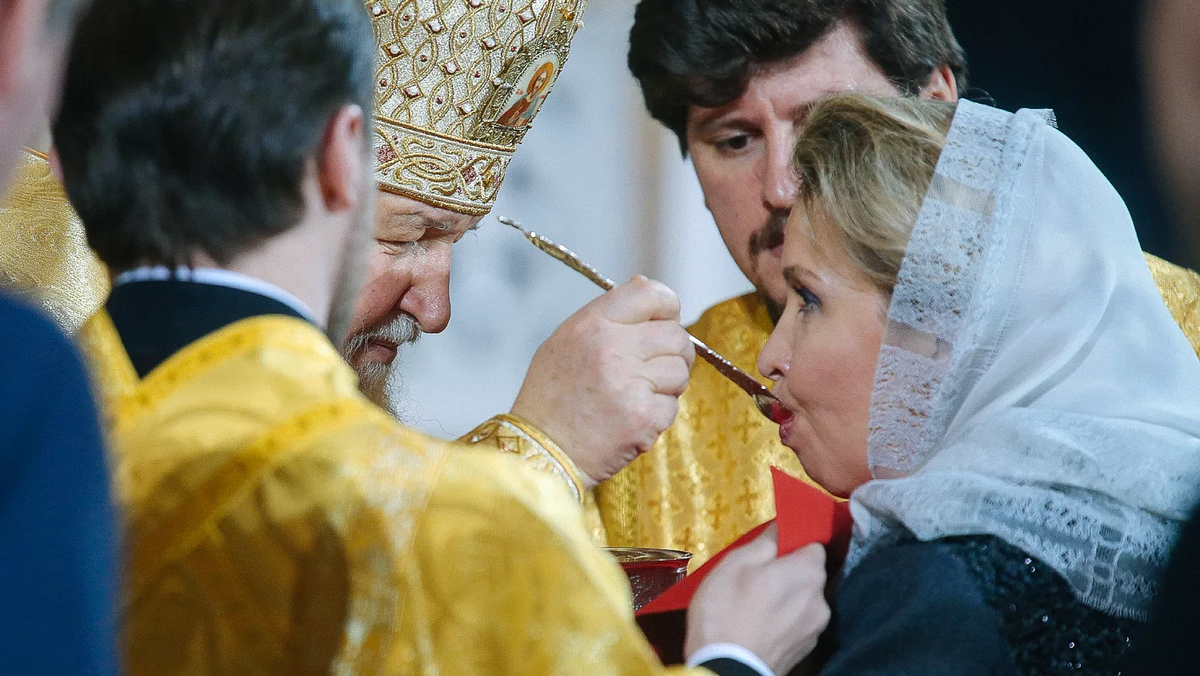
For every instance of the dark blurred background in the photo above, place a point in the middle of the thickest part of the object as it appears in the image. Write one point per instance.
(1082, 58)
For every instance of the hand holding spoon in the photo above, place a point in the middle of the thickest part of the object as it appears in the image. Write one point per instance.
(766, 402)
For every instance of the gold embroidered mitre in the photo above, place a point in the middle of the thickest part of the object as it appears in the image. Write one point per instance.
(458, 83)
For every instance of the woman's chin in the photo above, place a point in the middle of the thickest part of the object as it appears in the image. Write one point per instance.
(835, 481)
(836, 486)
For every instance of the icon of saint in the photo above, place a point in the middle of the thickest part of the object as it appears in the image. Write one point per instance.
(522, 111)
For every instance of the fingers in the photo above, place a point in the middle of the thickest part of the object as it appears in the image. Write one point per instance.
(812, 556)
(651, 420)
(664, 337)
(640, 300)
(806, 562)
(666, 408)
(758, 552)
(667, 375)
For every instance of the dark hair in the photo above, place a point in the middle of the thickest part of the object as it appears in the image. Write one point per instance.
(189, 124)
(703, 52)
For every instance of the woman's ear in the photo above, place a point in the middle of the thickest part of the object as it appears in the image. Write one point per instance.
(942, 85)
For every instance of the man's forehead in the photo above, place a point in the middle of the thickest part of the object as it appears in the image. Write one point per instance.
(401, 212)
(835, 64)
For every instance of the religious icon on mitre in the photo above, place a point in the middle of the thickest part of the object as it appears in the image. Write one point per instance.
(533, 85)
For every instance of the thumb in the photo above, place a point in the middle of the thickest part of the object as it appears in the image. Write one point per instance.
(811, 556)
(761, 549)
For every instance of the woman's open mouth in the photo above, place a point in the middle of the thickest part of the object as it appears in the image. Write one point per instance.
(785, 427)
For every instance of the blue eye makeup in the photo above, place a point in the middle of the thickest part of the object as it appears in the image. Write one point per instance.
(808, 299)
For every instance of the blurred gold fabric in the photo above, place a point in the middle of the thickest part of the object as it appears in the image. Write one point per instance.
(44, 254)
(278, 523)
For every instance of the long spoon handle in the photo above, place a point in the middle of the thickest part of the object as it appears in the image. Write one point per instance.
(763, 399)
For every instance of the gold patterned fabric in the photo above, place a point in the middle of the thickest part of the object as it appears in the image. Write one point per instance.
(457, 87)
(516, 436)
(511, 434)
(44, 254)
(278, 523)
(1180, 289)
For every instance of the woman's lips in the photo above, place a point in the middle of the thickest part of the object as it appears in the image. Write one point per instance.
(785, 427)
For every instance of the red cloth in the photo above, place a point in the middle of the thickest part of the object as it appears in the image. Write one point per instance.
(805, 516)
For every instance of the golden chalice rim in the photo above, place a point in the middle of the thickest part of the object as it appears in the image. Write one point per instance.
(648, 554)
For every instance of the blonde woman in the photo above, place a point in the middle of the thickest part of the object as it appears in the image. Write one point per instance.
(976, 355)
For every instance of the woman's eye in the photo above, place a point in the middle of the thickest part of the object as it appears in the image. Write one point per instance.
(808, 300)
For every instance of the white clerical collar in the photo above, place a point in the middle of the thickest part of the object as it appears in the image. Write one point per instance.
(217, 277)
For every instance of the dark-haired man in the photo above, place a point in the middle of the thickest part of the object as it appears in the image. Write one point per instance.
(278, 523)
(733, 79)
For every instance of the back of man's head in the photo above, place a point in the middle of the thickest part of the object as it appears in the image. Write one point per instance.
(188, 125)
(703, 52)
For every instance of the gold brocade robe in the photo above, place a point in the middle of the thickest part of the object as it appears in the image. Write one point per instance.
(44, 254)
(278, 523)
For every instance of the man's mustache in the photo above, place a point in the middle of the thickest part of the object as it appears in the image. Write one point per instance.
(771, 234)
(401, 330)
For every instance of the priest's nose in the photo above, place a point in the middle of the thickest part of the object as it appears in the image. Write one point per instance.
(429, 297)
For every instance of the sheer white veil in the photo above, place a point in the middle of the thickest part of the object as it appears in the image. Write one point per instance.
(1032, 384)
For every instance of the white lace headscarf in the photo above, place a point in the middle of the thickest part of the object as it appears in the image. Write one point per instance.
(1032, 385)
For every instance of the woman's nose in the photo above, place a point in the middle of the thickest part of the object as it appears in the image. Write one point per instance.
(775, 359)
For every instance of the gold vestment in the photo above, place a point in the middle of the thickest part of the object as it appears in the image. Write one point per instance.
(278, 523)
(44, 254)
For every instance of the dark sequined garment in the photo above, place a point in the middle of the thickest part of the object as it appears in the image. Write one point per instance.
(1048, 630)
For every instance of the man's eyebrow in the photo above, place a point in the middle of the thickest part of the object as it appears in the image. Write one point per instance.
(801, 112)
(421, 221)
(724, 122)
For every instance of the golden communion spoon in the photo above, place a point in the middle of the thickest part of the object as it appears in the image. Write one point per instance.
(766, 402)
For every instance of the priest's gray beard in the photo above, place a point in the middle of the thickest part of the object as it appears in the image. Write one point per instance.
(381, 383)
